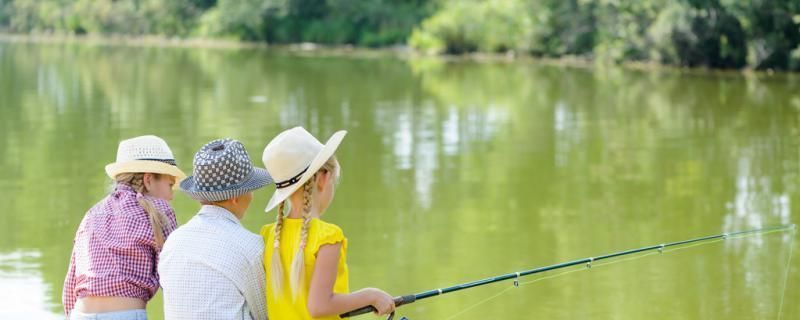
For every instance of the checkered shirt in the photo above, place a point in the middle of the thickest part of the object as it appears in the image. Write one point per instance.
(211, 268)
(114, 253)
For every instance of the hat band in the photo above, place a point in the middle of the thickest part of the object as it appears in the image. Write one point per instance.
(293, 180)
(167, 161)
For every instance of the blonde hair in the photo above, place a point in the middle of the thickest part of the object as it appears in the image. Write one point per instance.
(298, 262)
(157, 220)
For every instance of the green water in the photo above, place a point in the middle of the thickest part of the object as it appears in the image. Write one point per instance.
(452, 171)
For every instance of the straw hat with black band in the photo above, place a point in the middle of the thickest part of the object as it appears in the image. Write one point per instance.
(145, 154)
(293, 157)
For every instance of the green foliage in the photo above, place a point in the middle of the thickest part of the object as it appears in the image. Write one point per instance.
(622, 29)
(31, 15)
(109, 16)
(794, 59)
(772, 28)
(467, 26)
(134, 17)
(243, 19)
(4, 4)
(762, 34)
(174, 17)
(691, 36)
(366, 22)
(563, 27)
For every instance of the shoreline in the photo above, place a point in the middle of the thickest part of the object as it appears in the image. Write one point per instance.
(399, 52)
(120, 40)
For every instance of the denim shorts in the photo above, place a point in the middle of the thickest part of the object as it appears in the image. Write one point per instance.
(137, 314)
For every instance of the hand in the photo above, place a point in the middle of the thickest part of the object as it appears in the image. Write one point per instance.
(381, 301)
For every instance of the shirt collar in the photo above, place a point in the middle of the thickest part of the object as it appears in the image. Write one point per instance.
(218, 212)
(123, 187)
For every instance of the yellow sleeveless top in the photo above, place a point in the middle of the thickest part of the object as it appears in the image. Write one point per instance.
(320, 233)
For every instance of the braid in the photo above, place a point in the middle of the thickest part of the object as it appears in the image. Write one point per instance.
(307, 188)
(136, 182)
(276, 266)
(298, 263)
(279, 224)
(307, 195)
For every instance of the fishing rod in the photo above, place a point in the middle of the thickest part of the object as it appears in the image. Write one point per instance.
(407, 299)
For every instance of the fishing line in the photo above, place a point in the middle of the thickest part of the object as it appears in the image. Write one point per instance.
(607, 259)
(786, 273)
(637, 257)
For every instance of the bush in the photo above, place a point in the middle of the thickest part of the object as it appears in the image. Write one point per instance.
(465, 26)
(242, 19)
(794, 59)
(689, 36)
(174, 17)
(365, 22)
(622, 29)
(30, 15)
(329, 31)
(772, 30)
(563, 27)
(4, 7)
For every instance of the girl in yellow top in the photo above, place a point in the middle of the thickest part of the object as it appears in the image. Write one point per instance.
(305, 257)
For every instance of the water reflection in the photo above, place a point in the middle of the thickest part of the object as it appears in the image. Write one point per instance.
(567, 133)
(24, 292)
(755, 202)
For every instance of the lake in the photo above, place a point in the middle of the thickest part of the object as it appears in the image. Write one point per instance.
(452, 171)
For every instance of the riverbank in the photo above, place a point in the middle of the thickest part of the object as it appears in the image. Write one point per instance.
(400, 52)
(142, 41)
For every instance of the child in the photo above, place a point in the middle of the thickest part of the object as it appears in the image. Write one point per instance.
(112, 272)
(305, 257)
(212, 266)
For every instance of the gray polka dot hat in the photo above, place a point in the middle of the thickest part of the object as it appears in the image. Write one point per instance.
(222, 170)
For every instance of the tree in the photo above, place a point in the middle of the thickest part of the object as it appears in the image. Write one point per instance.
(698, 35)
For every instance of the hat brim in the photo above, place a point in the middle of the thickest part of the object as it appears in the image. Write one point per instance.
(145, 166)
(326, 153)
(258, 179)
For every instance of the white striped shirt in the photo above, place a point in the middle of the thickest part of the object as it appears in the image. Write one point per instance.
(211, 268)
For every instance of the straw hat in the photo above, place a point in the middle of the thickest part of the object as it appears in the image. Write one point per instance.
(147, 154)
(293, 157)
(222, 170)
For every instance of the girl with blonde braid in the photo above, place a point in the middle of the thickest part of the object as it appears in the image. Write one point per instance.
(305, 257)
(112, 272)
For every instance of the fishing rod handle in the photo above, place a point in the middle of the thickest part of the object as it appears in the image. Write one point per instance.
(398, 301)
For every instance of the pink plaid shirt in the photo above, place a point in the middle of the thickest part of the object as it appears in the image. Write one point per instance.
(114, 253)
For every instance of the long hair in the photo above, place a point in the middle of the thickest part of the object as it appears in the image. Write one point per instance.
(298, 261)
(157, 220)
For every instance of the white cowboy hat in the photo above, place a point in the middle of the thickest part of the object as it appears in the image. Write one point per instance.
(293, 157)
(222, 170)
(146, 154)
